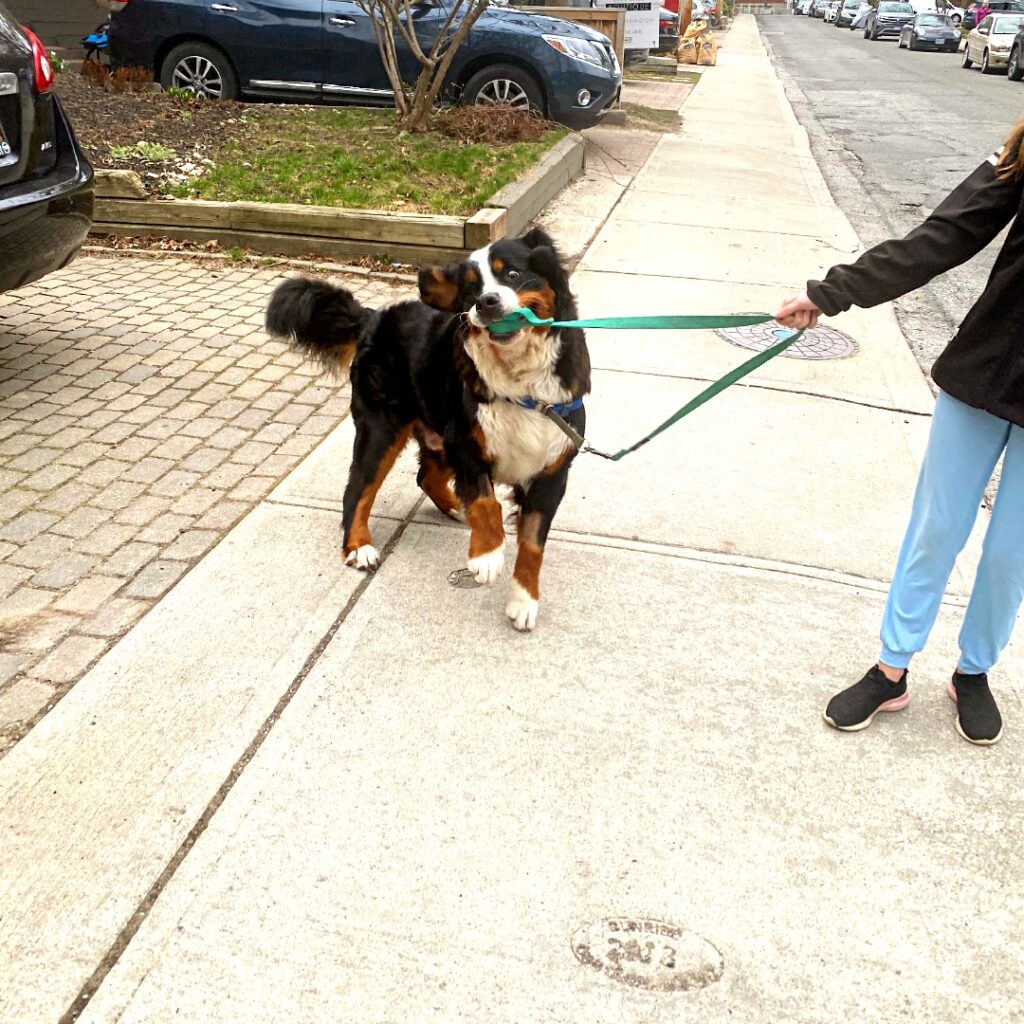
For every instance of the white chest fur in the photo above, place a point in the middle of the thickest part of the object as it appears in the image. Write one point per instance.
(522, 442)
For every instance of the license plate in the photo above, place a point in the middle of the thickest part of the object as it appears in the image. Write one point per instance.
(5, 146)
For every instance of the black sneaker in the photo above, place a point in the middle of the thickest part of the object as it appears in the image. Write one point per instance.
(857, 705)
(977, 719)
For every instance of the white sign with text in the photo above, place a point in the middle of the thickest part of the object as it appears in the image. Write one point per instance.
(641, 21)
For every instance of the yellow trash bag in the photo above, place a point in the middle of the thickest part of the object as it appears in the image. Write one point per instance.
(687, 52)
(689, 45)
(707, 52)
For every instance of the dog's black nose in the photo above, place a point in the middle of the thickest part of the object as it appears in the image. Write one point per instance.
(489, 303)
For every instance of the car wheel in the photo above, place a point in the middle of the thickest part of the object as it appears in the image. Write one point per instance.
(967, 62)
(503, 85)
(1014, 71)
(986, 67)
(201, 69)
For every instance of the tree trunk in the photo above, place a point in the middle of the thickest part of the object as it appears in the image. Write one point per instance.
(685, 16)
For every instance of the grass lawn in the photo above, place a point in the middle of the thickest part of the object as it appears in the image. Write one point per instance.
(349, 156)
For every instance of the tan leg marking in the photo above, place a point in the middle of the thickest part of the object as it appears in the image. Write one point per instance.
(436, 484)
(486, 540)
(359, 532)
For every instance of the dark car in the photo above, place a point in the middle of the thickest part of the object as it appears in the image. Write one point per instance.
(930, 32)
(668, 31)
(970, 18)
(46, 193)
(888, 19)
(1015, 62)
(326, 51)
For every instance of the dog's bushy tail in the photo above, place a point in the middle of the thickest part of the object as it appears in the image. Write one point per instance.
(321, 320)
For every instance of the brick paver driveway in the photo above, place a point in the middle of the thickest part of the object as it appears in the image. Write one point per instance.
(143, 412)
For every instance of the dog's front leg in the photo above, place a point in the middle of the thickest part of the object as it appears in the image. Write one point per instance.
(475, 490)
(537, 508)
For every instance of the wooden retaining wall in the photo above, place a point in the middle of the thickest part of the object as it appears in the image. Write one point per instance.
(123, 207)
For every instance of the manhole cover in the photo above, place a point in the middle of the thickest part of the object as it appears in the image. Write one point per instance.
(644, 953)
(817, 343)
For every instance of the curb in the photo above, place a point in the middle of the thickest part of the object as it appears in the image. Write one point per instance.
(317, 266)
(522, 200)
(124, 207)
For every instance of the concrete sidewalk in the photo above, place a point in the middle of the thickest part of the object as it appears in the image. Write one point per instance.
(296, 793)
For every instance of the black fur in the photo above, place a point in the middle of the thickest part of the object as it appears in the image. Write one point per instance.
(319, 319)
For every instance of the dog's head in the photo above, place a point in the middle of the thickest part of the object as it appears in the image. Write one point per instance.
(504, 276)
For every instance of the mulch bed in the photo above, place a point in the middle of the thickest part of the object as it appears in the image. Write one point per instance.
(198, 131)
(193, 129)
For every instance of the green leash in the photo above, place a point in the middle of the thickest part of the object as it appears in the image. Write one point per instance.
(518, 318)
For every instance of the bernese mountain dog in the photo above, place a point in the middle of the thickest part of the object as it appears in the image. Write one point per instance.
(430, 371)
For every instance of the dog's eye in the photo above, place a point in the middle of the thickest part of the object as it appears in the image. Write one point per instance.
(513, 275)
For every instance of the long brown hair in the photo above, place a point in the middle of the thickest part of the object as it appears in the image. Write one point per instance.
(1011, 163)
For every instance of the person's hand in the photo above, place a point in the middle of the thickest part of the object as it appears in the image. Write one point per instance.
(798, 312)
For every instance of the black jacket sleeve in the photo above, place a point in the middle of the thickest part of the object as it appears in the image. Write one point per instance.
(961, 226)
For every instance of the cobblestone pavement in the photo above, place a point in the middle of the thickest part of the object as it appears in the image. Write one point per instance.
(143, 412)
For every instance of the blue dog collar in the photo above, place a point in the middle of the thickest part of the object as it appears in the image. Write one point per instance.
(559, 410)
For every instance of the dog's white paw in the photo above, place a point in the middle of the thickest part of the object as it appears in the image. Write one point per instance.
(487, 568)
(364, 558)
(521, 609)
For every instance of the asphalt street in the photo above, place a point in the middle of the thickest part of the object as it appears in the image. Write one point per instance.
(893, 132)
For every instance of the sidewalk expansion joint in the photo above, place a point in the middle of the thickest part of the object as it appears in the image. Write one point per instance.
(721, 559)
(135, 921)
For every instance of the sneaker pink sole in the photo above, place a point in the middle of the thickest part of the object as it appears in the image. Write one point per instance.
(896, 704)
(951, 693)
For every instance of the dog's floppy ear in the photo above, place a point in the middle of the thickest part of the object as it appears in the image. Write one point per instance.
(440, 286)
(545, 261)
(536, 237)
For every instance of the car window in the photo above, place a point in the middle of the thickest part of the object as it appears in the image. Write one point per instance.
(895, 8)
(933, 19)
(1006, 26)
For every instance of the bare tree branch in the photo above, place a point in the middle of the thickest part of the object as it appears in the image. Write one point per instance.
(394, 23)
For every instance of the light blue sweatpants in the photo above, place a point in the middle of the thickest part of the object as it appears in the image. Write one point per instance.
(963, 449)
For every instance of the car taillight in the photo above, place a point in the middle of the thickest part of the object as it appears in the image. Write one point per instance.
(41, 65)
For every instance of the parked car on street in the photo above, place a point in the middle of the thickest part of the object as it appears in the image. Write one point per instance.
(888, 19)
(944, 7)
(849, 11)
(861, 17)
(930, 32)
(326, 51)
(832, 10)
(46, 191)
(668, 31)
(804, 7)
(970, 17)
(990, 43)
(818, 8)
(1015, 62)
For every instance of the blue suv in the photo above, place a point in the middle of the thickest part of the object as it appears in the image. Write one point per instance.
(325, 51)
